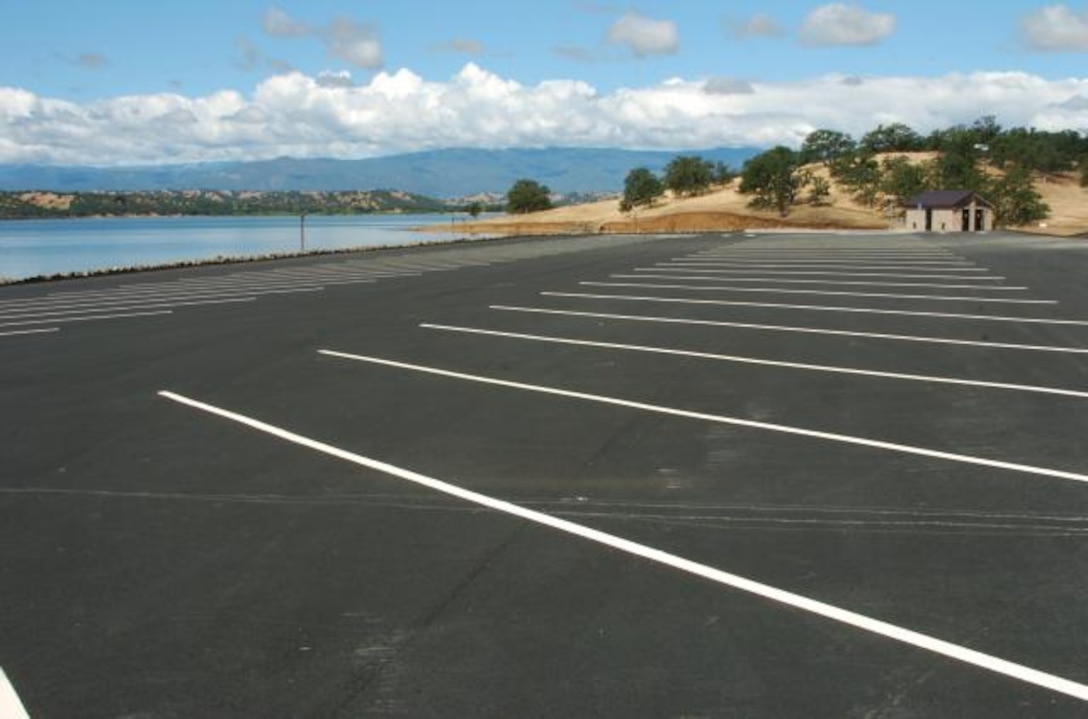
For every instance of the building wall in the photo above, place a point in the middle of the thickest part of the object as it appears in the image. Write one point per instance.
(948, 220)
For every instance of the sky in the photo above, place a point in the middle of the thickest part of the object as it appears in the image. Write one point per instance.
(132, 82)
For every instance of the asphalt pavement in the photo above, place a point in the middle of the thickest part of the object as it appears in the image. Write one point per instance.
(744, 475)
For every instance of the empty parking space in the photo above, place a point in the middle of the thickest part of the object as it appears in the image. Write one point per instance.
(617, 473)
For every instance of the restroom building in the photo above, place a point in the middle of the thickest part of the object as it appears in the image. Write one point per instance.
(949, 211)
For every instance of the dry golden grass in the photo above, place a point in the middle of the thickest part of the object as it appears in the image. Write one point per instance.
(725, 209)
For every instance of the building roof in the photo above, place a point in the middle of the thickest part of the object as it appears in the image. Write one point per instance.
(945, 199)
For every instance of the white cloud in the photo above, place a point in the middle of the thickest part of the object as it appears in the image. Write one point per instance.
(357, 44)
(728, 86)
(645, 36)
(1056, 28)
(761, 25)
(278, 23)
(331, 116)
(461, 46)
(841, 24)
(344, 39)
(335, 79)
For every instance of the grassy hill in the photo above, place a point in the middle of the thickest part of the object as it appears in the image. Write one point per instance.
(724, 208)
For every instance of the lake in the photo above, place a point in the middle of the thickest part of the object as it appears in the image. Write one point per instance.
(30, 248)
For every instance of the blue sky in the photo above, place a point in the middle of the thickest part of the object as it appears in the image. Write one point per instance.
(127, 81)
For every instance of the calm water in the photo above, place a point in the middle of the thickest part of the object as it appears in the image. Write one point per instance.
(29, 248)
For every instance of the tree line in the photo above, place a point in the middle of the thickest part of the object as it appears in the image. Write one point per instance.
(870, 170)
(27, 205)
(964, 157)
(684, 176)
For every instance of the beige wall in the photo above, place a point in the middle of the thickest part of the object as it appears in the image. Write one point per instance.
(947, 220)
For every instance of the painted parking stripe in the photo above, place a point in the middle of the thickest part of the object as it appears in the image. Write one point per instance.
(817, 308)
(797, 255)
(819, 266)
(779, 596)
(737, 251)
(935, 264)
(838, 293)
(787, 328)
(10, 705)
(151, 302)
(831, 283)
(760, 361)
(85, 318)
(15, 333)
(810, 273)
(725, 419)
(122, 308)
(160, 294)
(847, 258)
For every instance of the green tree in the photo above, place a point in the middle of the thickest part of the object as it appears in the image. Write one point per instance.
(902, 179)
(775, 178)
(895, 137)
(1016, 202)
(527, 196)
(641, 187)
(474, 209)
(957, 166)
(826, 146)
(689, 175)
(860, 173)
(819, 191)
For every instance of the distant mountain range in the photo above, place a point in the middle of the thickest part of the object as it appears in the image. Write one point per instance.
(439, 173)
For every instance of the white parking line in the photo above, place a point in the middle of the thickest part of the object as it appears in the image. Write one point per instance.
(895, 275)
(832, 255)
(726, 419)
(119, 296)
(151, 302)
(820, 266)
(780, 596)
(85, 318)
(10, 706)
(830, 283)
(817, 308)
(838, 293)
(956, 264)
(29, 332)
(109, 307)
(761, 362)
(788, 328)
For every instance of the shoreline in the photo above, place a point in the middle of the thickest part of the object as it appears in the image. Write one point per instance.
(232, 260)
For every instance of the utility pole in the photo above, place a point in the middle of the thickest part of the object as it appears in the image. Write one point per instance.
(302, 231)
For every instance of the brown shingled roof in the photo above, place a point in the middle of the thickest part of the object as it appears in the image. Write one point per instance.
(945, 199)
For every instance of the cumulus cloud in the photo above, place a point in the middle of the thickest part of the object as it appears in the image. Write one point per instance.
(1056, 28)
(841, 24)
(332, 115)
(355, 43)
(461, 46)
(278, 23)
(344, 39)
(335, 79)
(645, 36)
(761, 25)
(728, 86)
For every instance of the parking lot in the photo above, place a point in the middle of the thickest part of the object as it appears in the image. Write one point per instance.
(789, 475)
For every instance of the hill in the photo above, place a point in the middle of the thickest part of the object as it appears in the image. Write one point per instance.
(451, 173)
(39, 204)
(726, 209)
